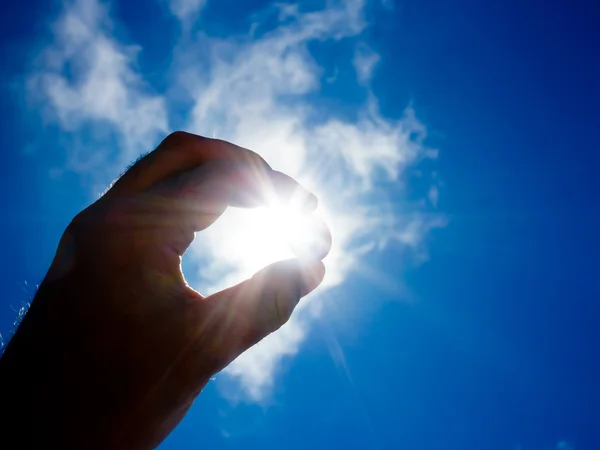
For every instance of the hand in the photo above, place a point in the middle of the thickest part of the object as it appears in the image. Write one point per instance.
(116, 345)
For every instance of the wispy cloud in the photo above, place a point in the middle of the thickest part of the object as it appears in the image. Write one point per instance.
(87, 79)
(186, 10)
(259, 93)
(365, 60)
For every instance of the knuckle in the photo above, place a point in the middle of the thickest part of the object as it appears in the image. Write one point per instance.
(177, 138)
(101, 217)
(239, 154)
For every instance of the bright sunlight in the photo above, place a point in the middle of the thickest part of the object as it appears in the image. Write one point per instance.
(254, 238)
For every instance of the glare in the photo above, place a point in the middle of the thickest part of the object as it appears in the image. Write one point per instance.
(255, 238)
(271, 233)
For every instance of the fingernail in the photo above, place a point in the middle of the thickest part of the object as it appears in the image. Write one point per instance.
(289, 190)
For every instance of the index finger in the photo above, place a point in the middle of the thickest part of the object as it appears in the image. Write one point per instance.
(178, 153)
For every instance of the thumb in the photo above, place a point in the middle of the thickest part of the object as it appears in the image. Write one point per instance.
(244, 314)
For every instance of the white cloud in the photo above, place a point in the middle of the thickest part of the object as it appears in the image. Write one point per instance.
(254, 369)
(254, 95)
(85, 77)
(365, 60)
(186, 10)
(253, 91)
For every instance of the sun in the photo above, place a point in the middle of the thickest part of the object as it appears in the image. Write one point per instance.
(285, 231)
(269, 230)
(250, 239)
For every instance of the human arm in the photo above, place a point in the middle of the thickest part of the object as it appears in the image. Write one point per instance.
(116, 345)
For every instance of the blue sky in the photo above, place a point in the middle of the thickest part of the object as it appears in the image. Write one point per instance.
(454, 147)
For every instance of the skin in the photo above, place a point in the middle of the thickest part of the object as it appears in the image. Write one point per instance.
(116, 346)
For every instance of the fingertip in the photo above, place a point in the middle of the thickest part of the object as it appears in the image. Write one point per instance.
(293, 193)
(314, 242)
(311, 203)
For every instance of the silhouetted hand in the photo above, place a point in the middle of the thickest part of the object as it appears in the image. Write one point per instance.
(116, 346)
